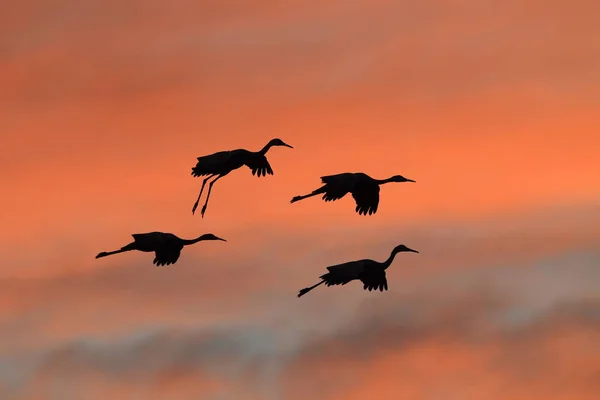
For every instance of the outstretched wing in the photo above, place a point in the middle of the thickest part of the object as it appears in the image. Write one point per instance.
(259, 165)
(366, 196)
(166, 256)
(142, 236)
(333, 193)
(343, 273)
(149, 238)
(211, 164)
(337, 186)
(337, 178)
(374, 279)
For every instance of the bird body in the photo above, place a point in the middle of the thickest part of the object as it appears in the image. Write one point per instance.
(370, 272)
(223, 162)
(166, 246)
(231, 160)
(364, 190)
(213, 163)
(367, 271)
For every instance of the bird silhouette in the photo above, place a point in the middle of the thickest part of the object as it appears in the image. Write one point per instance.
(364, 189)
(223, 162)
(371, 273)
(166, 246)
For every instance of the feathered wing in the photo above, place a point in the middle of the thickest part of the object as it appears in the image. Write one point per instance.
(141, 236)
(337, 186)
(333, 193)
(149, 238)
(337, 178)
(166, 256)
(259, 165)
(374, 279)
(343, 273)
(366, 196)
(211, 164)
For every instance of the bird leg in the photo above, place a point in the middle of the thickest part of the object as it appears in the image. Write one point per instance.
(308, 289)
(313, 193)
(129, 247)
(200, 194)
(210, 185)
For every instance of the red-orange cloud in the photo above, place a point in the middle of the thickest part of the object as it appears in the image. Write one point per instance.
(491, 108)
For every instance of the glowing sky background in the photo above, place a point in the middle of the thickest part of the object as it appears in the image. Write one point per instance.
(491, 106)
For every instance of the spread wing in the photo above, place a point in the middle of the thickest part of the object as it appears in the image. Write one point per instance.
(211, 164)
(366, 195)
(337, 178)
(149, 238)
(343, 273)
(334, 193)
(374, 279)
(337, 186)
(141, 236)
(166, 256)
(259, 165)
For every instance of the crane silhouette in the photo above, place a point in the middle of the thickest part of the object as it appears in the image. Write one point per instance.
(166, 246)
(364, 189)
(371, 273)
(223, 162)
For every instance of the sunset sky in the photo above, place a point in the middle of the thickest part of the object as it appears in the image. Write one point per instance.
(493, 107)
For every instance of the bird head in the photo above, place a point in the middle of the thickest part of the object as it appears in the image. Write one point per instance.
(279, 142)
(210, 236)
(401, 248)
(400, 178)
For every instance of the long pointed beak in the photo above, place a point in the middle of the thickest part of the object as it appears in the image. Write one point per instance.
(221, 239)
(410, 180)
(287, 145)
(411, 250)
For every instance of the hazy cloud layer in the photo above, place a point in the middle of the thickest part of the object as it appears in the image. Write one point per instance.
(238, 329)
(490, 106)
(301, 49)
(482, 308)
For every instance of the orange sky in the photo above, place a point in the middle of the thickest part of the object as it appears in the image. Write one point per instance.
(492, 107)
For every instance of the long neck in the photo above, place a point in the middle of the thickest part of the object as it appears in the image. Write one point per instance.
(388, 262)
(192, 241)
(264, 150)
(382, 181)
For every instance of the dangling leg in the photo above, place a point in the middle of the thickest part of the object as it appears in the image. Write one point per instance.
(313, 193)
(308, 289)
(200, 195)
(210, 185)
(129, 247)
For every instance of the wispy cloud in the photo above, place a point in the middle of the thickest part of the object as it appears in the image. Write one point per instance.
(251, 334)
(489, 105)
(479, 309)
